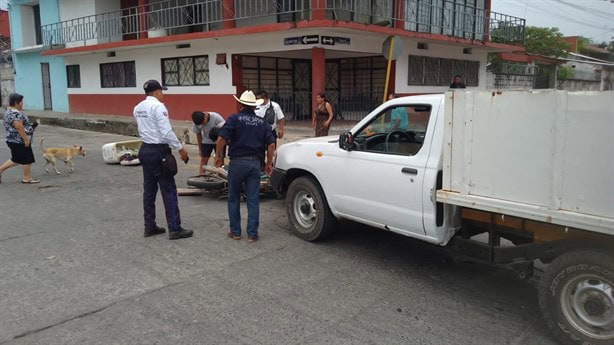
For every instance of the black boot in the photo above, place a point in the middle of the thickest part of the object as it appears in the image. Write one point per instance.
(182, 233)
(155, 231)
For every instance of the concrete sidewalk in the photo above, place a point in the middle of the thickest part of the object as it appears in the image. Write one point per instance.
(125, 125)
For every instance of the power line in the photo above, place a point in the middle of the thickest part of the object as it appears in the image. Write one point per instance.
(537, 9)
(587, 10)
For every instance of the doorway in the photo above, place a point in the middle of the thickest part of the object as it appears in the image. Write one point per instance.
(46, 86)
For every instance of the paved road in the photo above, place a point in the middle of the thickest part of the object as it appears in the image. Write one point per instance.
(75, 269)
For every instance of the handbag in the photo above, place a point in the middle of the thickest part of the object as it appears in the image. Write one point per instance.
(169, 164)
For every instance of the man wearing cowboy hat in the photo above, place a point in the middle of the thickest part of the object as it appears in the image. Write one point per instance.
(249, 136)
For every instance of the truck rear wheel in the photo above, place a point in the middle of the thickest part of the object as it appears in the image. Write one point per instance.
(308, 210)
(576, 296)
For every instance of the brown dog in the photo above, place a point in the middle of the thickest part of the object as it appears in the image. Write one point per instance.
(65, 154)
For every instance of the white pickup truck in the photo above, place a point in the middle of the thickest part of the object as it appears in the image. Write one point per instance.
(506, 178)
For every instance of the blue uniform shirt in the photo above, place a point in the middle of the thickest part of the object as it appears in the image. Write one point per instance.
(247, 134)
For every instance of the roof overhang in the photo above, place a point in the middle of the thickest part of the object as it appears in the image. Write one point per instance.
(276, 27)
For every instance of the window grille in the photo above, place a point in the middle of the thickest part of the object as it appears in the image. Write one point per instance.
(118, 74)
(73, 76)
(185, 71)
(432, 71)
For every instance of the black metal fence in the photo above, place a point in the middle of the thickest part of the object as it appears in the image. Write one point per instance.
(352, 105)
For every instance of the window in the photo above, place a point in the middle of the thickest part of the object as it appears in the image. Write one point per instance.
(424, 70)
(118, 74)
(397, 130)
(185, 71)
(73, 76)
(460, 18)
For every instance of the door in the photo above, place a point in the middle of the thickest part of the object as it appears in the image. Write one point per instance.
(383, 178)
(301, 90)
(332, 74)
(46, 86)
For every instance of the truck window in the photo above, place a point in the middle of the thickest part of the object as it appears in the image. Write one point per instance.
(397, 130)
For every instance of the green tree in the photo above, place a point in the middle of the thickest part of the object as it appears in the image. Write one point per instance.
(545, 41)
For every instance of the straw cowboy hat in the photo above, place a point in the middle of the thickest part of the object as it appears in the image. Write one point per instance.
(248, 98)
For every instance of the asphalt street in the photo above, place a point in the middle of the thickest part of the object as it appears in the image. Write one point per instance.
(75, 269)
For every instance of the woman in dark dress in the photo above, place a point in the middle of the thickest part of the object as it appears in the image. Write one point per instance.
(19, 132)
(322, 116)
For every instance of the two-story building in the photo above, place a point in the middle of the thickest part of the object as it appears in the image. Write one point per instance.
(93, 56)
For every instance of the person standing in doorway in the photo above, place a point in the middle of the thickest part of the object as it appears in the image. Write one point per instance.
(457, 83)
(248, 136)
(204, 122)
(19, 133)
(322, 116)
(158, 139)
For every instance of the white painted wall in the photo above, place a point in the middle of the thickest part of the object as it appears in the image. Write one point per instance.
(71, 9)
(28, 36)
(147, 59)
(104, 6)
(435, 50)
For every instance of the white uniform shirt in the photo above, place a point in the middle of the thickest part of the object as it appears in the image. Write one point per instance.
(153, 123)
(261, 111)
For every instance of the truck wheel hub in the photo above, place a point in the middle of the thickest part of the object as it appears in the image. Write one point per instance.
(588, 303)
(304, 209)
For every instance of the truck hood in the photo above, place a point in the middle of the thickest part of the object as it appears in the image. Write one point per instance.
(305, 151)
(314, 143)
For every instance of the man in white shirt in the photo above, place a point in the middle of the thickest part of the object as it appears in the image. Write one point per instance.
(158, 139)
(203, 123)
(271, 113)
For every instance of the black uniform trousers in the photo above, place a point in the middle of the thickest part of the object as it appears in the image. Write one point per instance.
(150, 156)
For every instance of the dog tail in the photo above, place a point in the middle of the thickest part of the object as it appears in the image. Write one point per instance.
(42, 149)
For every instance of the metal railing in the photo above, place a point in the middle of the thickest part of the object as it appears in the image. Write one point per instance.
(350, 104)
(184, 16)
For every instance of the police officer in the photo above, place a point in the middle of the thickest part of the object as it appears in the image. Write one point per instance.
(249, 136)
(158, 139)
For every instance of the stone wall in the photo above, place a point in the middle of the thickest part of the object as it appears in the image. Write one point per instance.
(7, 82)
(578, 85)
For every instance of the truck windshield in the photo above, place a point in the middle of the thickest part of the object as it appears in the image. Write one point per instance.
(396, 130)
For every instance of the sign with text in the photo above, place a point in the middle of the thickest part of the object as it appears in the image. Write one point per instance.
(315, 39)
(289, 41)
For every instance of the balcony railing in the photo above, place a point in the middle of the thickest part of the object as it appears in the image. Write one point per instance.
(186, 16)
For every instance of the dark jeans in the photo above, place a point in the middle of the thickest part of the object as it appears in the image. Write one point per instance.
(150, 156)
(244, 172)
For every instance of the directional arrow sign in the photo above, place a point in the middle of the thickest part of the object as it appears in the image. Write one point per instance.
(328, 40)
(310, 39)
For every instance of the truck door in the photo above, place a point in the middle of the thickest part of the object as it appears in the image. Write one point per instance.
(384, 174)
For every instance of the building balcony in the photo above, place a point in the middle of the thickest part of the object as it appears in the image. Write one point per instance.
(174, 17)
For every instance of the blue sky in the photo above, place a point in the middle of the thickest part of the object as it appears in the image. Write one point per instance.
(593, 19)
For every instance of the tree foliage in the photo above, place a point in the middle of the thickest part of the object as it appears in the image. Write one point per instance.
(545, 41)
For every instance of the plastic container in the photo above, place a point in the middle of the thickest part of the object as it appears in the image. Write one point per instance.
(112, 152)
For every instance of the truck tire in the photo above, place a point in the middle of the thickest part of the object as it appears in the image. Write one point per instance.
(308, 210)
(576, 297)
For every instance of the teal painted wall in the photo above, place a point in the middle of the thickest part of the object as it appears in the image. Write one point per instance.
(29, 81)
(27, 65)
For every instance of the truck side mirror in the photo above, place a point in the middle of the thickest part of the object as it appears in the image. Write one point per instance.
(346, 141)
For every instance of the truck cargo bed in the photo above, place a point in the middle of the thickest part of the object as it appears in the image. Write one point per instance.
(550, 160)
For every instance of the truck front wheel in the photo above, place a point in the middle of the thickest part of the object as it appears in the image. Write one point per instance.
(308, 210)
(576, 296)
